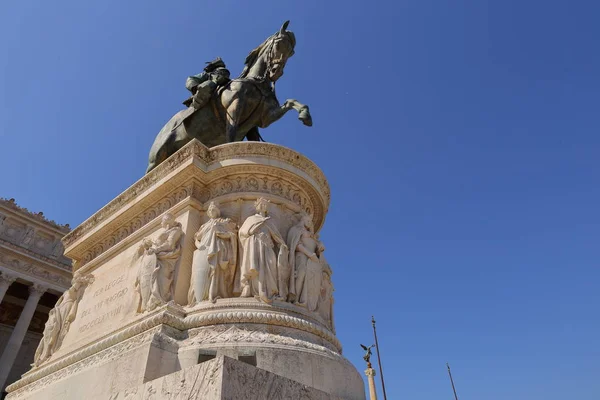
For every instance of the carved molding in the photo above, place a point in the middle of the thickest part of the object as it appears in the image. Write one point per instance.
(105, 230)
(39, 216)
(25, 267)
(174, 316)
(54, 262)
(6, 278)
(218, 154)
(26, 385)
(170, 315)
(260, 335)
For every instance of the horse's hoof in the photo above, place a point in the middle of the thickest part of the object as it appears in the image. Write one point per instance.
(305, 117)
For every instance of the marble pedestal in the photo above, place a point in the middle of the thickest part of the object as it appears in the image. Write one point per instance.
(111, 351)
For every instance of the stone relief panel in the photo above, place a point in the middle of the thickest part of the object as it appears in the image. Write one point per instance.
(60, 319)
(156, 265)
(279, 257)
(14, 231)
(215, 258)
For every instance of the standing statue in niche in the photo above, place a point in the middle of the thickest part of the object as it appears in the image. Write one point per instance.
(305, 264)
(60, 318)
(233, 111)
(260, 262)
(215, 259)
(156, 260)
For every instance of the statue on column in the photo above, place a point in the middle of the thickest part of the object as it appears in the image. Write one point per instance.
(156, 260)
(215, 259)
(305, 264)
(260, 261)
(60, 319)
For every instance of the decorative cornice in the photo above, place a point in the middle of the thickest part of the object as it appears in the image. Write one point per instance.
(196, 172)
(259, 335)
(39, 216)
(25, 268)
(55, 262)
(215, 155)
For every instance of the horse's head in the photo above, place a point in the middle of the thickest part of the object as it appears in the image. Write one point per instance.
(273, 54)
(282, 48)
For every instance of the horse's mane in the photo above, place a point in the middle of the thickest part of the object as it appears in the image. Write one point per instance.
(254, 54)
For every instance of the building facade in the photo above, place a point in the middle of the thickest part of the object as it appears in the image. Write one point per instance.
(33, 275)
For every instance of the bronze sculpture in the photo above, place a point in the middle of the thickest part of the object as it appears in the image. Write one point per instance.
(235, 108)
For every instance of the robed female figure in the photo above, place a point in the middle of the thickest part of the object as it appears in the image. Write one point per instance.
(259, 262)
(215, 259)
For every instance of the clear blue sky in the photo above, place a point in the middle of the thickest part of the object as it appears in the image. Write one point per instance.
(460, 139)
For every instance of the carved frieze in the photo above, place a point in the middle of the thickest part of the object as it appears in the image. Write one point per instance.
(308, 190)
(24, 266)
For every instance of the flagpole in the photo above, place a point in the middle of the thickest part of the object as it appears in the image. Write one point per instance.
(452, 381)
(378, 357)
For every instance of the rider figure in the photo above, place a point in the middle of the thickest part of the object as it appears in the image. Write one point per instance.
(205, 83)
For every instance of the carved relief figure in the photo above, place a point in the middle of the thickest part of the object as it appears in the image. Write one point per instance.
(28, 237)
(259, 262)
(215, 259)
(60, 318)
(58, 249)
(156, 260)
(325, 306)
(305, 265)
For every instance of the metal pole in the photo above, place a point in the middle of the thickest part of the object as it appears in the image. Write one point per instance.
(378, 357)
(452, 381)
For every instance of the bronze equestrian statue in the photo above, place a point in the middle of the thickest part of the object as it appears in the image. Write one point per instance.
(222, 110)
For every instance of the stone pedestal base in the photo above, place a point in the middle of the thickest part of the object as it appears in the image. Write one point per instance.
(223, 378)
(102, 344)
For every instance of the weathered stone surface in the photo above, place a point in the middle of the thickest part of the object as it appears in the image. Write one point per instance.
(222, 378)
(112, 345)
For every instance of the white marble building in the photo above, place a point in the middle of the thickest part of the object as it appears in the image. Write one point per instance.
(33, 275)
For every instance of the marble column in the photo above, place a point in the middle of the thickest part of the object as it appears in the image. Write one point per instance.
(370, 373)
(5, 281)
(18, 334)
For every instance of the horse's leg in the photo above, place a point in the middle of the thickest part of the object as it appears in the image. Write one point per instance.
(303, 113)
(275, 113)
(233, 113)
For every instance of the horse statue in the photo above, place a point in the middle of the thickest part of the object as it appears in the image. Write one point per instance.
(237, 109)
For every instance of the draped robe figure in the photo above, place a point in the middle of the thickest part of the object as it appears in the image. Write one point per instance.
(259, 263)
(215, 259)
(157, 259)
(59, 319)
(305, 265)
(325, 306)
